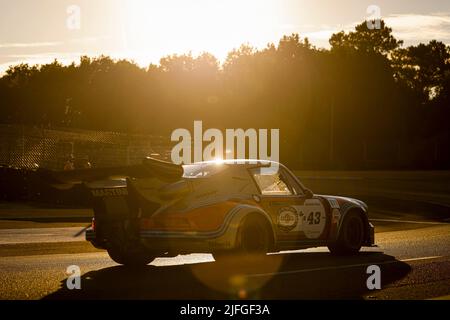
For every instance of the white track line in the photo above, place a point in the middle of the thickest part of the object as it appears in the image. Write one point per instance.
(422, 258)
(338, 267)
(41, 235)
(409, 221)
(441, 298)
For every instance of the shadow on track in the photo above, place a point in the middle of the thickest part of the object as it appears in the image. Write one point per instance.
(316, 275)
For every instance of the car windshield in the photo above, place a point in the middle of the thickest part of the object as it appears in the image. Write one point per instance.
(202, 170)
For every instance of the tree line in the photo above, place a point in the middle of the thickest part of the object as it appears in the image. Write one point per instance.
(367, 102)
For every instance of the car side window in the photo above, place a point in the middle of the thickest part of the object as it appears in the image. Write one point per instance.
(271, 182)
(293, 184)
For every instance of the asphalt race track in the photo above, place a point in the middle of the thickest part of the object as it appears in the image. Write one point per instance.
(414, 262)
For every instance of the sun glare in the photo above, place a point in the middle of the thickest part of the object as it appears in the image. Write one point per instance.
(158, 28)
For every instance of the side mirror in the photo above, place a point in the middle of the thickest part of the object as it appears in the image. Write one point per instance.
(309, 194)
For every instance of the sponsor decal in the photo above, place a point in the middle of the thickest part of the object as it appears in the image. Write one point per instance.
(113, 192)
(333, 203)
(257, 198)
(287, 219)
(336, 215)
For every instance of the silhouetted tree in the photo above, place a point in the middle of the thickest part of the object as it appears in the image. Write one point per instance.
(334, 107)
(379, 40)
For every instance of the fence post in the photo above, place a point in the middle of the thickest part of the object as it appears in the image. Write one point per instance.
(128, 149)
(23, 146)
(44, 147)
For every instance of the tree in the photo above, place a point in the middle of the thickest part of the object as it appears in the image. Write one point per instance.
(367, 40)
(328, 104)
(424, 68)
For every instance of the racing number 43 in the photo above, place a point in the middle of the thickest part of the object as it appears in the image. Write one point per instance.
(314, 218)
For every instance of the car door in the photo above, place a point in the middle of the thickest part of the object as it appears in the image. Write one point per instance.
(295, 216)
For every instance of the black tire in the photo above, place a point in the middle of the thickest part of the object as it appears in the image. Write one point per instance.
(253, 240)
(130, 257)
(351, 235)
(254, 237)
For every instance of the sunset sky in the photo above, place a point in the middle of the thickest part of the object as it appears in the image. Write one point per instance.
(38, 31)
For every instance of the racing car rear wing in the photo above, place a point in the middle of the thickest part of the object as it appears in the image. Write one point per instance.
(150, 167)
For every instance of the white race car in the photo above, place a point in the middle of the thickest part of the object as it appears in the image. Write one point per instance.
(228, 207)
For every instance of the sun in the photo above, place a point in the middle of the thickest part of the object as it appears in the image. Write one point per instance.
(161, 27)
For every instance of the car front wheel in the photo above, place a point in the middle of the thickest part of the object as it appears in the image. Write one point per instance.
(350, 237)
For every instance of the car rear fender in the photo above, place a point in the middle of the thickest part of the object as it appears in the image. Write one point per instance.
(239, 213)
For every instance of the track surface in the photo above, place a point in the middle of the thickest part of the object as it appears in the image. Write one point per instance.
(41, 235)
(415, 264)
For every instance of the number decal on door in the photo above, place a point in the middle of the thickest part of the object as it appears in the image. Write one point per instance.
(314, 217)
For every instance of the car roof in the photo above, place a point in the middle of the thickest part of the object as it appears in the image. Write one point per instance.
(238, 162)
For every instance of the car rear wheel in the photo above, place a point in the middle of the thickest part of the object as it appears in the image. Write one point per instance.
(351, 235)
(254, 237)
(253, 240)
(131, 257)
